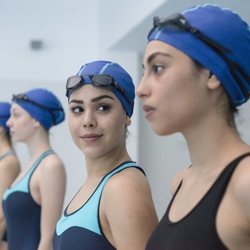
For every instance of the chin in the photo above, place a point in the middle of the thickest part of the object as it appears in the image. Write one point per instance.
(91, 153)
(162, 131)
(15, 139)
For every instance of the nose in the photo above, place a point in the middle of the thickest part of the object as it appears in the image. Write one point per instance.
(142, 89)
(9, 122)
(89, 120)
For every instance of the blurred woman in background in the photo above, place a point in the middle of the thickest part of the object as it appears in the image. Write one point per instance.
(33, 203)
(9, 164)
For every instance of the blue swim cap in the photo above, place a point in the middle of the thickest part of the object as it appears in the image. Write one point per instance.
(225, 28)
(4, 114)
(121, 77)
(42, 105)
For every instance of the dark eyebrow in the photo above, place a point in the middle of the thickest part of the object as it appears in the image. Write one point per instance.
(96, 99)
(76, 101)
(154, 55)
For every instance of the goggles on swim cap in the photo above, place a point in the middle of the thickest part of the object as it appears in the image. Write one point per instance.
(24, 98)
(100, 81)
(4, 117)
(178, 23)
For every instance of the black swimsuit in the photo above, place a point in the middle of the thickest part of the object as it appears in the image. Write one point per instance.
(197, 230)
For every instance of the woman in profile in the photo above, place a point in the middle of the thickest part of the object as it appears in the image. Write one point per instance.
(33, 203)
(196, 75)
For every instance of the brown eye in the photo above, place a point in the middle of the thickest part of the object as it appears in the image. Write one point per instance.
(76, 109)
(104, 107)
(157, 68)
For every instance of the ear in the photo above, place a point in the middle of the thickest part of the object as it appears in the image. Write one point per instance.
(36, 123)
(128, 121)
(213, 83)
(1, 129)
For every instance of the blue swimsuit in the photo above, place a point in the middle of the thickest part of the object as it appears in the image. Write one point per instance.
(3, 156)
(22, 213)
(81, 230)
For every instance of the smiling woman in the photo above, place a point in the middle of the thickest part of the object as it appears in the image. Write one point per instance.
(113, 209)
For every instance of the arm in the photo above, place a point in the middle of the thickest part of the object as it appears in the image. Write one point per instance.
(233, 215)
(3, 246)
(52, 189)
(129, 210)
(9, 169)
(240, 187)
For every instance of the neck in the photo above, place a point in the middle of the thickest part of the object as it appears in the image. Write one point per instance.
(38, 143)
(100, 166)
(216, 147)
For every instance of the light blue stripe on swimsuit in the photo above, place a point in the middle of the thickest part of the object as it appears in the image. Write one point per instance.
(23, 184)
(87, 216)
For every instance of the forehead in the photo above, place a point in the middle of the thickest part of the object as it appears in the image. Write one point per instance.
(17, 108)
(157, 49)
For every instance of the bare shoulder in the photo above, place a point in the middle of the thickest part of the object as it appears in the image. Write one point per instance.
(127, 180)
(127, 200)
(52, 165)
(128, 187)
(52, 176)
(240, 185)
(10, 165)
(177, 180)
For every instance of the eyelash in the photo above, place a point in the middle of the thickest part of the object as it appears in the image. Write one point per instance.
(155, 68)
(100, 107)
(75, 108)
(16, 115)
(105, 107)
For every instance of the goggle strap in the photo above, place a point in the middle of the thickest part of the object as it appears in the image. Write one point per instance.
(181, 22)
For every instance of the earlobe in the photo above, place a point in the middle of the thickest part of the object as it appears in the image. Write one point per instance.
(36, 123)
(128, 121)
(213, 82)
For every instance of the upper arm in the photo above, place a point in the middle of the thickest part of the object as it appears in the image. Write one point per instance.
(240, 187)
(129, 210)
(52, 182)
(9, 170)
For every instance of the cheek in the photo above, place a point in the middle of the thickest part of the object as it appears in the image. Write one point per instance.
(23, 130)
(172, 111)
(23, 124)
(73, 126)
(177, 91)
(117, 128)
(166, 97)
